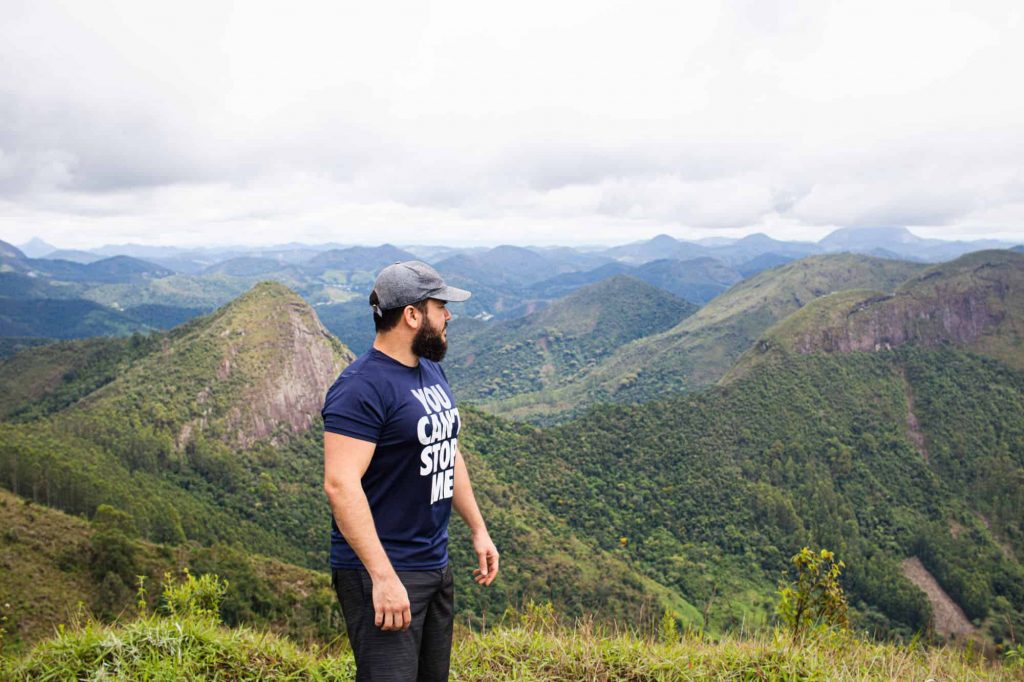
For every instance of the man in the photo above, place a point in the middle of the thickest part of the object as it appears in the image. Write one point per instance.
(392, 472)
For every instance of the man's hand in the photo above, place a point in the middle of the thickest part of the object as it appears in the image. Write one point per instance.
(487, 555)
(391, 604)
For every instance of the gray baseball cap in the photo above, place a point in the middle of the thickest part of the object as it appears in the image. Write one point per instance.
(402, 284)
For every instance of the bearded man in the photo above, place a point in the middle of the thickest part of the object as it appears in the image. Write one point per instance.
(392, 473)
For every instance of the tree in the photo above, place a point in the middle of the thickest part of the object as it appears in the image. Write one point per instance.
(816, 598)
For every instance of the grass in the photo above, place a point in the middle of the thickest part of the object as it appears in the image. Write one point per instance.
(525, 647)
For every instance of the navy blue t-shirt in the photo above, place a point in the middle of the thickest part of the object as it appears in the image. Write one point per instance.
(409, 412)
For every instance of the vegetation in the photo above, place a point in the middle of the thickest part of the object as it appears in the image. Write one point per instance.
(528, 645)
(702, 347)
(816, 597)
(549, 348)
(712, 492)
(689, 504)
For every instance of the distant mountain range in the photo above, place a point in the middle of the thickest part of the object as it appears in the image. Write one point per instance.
(138, 288)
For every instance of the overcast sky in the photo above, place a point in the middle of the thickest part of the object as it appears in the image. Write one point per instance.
(513, 122)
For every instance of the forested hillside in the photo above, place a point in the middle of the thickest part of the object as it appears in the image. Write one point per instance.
(701, 348)
(550, 348)
(710, 494)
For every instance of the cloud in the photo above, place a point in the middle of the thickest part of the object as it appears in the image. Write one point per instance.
(530, 122)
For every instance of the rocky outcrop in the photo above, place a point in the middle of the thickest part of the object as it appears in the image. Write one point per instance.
(256, 369)
(292, 395)
(975, 302)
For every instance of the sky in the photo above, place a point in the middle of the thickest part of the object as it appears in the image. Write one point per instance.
(479, 123)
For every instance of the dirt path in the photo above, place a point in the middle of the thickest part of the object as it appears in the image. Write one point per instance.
(948, 618)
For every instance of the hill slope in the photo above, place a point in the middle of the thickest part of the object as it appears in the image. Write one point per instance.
(975, 302)
(880, 456)
(701, 348)
(549, 348)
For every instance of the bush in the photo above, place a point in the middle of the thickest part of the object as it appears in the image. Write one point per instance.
(193, 596)
(816, 598)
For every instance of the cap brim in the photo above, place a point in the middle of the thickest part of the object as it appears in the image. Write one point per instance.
(451, 294)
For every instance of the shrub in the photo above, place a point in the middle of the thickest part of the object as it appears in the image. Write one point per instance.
(816, 598)
(193, 596)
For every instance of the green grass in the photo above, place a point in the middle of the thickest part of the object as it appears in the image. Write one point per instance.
(525, 647)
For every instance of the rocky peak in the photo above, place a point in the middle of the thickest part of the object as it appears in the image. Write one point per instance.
(254, 369)
(976, 302)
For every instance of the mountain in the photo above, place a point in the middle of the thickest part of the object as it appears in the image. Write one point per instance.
(698, 280)
(116, 269)
(758, 244)
(365, 260)
(37, 248)
(901, 241)
(889, 427)
(11, 258)
(501, 266)
(51, 562)
(181, 437)
(762, 262)
(500, 279)
(866, 238)
(548, 348)
(662, 246)
(975, 302)
(1019, 248)
(567, 282)
(244, 266)
(701, 348)
(690, 502)
(254, 369)
(73, 255)
(904, 453)
(565, 257)
(62, 319)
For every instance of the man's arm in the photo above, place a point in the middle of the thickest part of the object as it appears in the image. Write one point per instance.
(345, 461)
(465, 503)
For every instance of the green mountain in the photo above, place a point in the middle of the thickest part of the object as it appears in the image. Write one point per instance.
(550, 348)
(702, 347)
(210, 434)
(975, 302)
(881, 457)
(192, 433)
(887, 427)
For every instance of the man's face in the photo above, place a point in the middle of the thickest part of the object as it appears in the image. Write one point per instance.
(431, 340)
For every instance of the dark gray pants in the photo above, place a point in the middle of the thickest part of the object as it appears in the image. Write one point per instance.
(422, 652)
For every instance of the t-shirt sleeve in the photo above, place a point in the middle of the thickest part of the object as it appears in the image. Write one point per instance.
(353, 408)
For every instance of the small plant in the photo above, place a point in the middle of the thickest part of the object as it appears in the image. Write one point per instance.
(140, 594)
(3, 627)
(194, 596)
(1014, 656)
(816, 598)
(668, 629)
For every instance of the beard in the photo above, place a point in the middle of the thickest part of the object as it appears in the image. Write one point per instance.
(429, 343)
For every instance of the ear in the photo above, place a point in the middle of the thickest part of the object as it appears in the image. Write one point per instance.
(412, 316)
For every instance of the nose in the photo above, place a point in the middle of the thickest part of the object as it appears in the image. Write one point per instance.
(447, 314)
